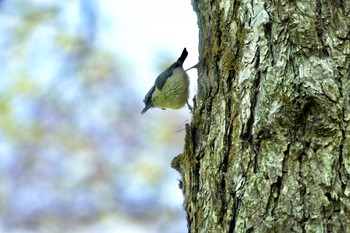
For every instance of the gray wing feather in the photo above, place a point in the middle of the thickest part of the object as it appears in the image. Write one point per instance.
(161, 79)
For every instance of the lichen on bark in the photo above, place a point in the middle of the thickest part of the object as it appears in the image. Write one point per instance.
(268, 146)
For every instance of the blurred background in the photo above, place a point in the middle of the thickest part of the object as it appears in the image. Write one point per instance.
(76, 155)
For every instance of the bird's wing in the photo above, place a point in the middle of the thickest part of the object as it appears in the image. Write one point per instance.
(162, 78)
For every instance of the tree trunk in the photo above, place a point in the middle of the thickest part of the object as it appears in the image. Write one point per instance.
(268, 146)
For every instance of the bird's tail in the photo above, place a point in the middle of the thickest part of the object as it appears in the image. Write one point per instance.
(183, 56)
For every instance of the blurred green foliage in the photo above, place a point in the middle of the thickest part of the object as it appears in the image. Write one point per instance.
(75, 155)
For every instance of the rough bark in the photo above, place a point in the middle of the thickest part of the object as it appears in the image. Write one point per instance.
(268, 146)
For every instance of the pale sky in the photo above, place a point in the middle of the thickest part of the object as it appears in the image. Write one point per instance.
(141, 34)
(141, 30)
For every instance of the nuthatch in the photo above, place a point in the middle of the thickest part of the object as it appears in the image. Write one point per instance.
(170, 90)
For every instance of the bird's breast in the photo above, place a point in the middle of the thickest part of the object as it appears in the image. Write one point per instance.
(174, 93)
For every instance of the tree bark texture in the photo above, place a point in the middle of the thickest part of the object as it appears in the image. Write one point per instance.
(268, 148)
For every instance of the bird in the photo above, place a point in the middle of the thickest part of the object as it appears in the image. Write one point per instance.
(170, 89)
